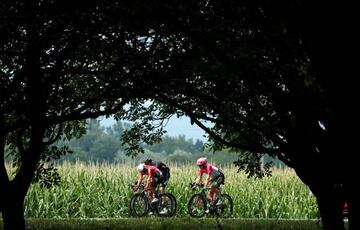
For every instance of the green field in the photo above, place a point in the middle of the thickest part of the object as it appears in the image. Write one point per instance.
(103, 191)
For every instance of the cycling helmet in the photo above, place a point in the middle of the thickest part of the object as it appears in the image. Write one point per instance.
(141, 167)
(201, 161)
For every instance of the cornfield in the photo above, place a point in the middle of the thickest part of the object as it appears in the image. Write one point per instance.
(103, 191)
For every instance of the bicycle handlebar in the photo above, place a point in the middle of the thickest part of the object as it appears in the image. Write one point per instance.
(141, 186)
(193, 186)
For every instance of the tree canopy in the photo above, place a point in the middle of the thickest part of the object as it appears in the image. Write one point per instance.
(256, 69)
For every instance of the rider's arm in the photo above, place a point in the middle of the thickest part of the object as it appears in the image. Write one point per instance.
(197, 180)
(207, 180)
(148, 181)
(141, 176)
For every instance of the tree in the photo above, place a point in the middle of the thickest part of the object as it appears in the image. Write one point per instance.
(171, 144)
(59, 65)
(95, 145)
(263, 81)
(117, 129)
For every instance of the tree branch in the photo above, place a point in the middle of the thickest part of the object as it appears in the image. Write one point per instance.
(58, 134)
(80, 116)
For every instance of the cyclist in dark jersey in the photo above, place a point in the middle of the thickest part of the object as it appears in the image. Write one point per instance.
(165, 170)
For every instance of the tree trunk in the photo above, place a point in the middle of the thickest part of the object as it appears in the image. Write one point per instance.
(352, 198)
(329, 197)
(13, 211)
(330, 207)
(14, 192)
(354, 222)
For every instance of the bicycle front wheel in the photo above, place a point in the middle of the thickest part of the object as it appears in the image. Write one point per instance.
(197, 205)
(224, 206)
(139, 205)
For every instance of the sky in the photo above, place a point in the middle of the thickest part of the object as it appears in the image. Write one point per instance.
(175, 127)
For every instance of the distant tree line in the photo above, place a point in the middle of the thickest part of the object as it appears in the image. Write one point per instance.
(103, 144)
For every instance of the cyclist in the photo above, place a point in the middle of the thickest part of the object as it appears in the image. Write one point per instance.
(215, 177)
(154, 178)
(165, 170)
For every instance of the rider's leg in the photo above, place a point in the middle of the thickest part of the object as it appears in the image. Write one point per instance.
(162, 189)
(151, 191)
(162, 183)
(209, 196)
(220, 180)
(217, 185)
(212, 193)
(149, 194)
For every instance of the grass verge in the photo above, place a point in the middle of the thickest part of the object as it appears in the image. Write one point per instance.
(170, 223)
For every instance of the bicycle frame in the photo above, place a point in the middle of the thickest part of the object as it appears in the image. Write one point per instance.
(203, 192)
(144, 191)
(199, 200)
(154, 207)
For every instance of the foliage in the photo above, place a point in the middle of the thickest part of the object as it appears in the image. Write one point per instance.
(188, 58)
(257, 69)
(95, 145)
(46, 173)
(249, 161)
(170, 144)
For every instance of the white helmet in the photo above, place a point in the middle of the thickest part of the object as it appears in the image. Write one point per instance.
(141, 167)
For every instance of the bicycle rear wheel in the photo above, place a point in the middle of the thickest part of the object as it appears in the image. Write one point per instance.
(224, 206)
(171, 208)
(139, 205)
(165, 206)
(197, 205)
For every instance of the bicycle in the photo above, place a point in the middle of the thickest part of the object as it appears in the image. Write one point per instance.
(140, 205)
(198, 203)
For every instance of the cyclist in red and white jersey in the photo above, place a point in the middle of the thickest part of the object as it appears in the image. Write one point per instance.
(165, 170)
(215, 177)
(154, 178)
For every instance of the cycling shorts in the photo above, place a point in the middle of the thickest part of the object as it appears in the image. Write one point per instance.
(219, 180)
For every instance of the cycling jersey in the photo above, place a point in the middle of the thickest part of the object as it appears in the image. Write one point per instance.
(152, 171)
(211, 170)
(157, 176)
